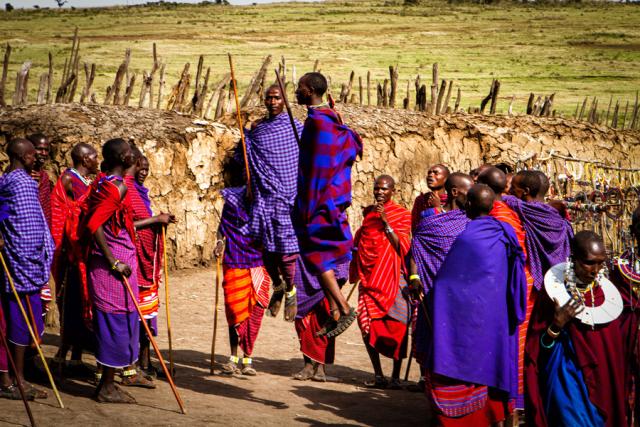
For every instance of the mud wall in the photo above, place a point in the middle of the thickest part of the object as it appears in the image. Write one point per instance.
(187, 155)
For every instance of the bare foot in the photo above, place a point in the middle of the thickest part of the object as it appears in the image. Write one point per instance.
(275, 302)
(319, 375)
(306, 373)
(113, 394)
(290, 307)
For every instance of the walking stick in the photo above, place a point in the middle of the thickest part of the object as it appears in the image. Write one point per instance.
(283, 92)
(166, 297)
(154, 344)
(18, 381)
(31, 332)
(426, 316)
(215, 312)
(406, 373)
(241, 128)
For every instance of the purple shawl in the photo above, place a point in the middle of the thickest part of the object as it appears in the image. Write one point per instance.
(272, 150)
(432, 240)
(548, 236)
(327, 152)
(28, 246)
(240, 251)
(479, 299)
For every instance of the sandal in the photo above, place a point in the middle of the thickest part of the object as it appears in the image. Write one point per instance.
(320, 378)
(231, 367)
(342, 324)
(34, 393)
(132, 378)
(247, 369)
(12, 392)
(290, 305)
(380, 382)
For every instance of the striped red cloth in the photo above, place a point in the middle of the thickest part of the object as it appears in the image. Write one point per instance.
(243, 291)
(44, 194)
(148, 244)
(319, 349)
(378, 264)
(502, 212)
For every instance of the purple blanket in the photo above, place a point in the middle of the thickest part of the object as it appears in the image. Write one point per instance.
(479, 299)
(431, 243)
(272, 150)
(241, 251)
(28, 246)
(327, 152)
(548, 236)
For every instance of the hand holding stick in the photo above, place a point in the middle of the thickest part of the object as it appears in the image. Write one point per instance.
(240, 127)
(283, 92)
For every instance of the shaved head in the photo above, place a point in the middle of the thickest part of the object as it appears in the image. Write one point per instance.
(457, 186)
(530, 184)
(386, 178)
(79, 151)
(494, 178)
(587, 242)
(18, 147)
(480, 200)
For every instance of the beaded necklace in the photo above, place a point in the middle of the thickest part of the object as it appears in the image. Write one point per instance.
(629, 267)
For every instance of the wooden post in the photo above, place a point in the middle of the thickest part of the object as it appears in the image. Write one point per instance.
(575, 115)
(22, 80)
(89, 76)
(440, 98)
(532, 97)
(487, 98)
(435, 82)
(510, 110)
(634, 117)
(203, 93)
(222, 100)
(316, 66)
(360, 89)
(74, 85)
(494, 97)
(606, 120)
(50, 79)
(144, 89)
(445, 106)
(614, 120)
(385, 93)
(161, 85)
(255, 82)
(217, 92)
(624, 117)
(584, 106)
(368, 87)
(129, 90)
(379, 97)
(5, 70)
(458, 99)
(407, 99)
(417, 85)
(393, 77)
(42, 88)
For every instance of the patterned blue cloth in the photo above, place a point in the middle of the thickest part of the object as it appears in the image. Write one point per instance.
(240, 251)
(272, 150)
(28, 245)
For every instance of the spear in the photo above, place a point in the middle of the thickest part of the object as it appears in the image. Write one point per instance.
(154, 344)
(166, 291)
(215, 312)
(244, 144)
(283, 92)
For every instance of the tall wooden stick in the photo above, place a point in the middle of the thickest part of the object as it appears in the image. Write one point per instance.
(31, 331)
(240, 127)
(215, 312)
(166, 296)
(12, 362)
(154, 344)
(288, 107)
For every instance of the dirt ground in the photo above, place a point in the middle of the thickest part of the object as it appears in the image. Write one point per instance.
(271, 398)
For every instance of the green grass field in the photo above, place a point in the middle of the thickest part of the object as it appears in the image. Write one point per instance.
(576, 50)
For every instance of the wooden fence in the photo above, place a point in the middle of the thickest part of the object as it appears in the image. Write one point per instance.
(210, 100)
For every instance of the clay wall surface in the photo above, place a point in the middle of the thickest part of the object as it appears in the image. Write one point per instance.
(187, 156)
